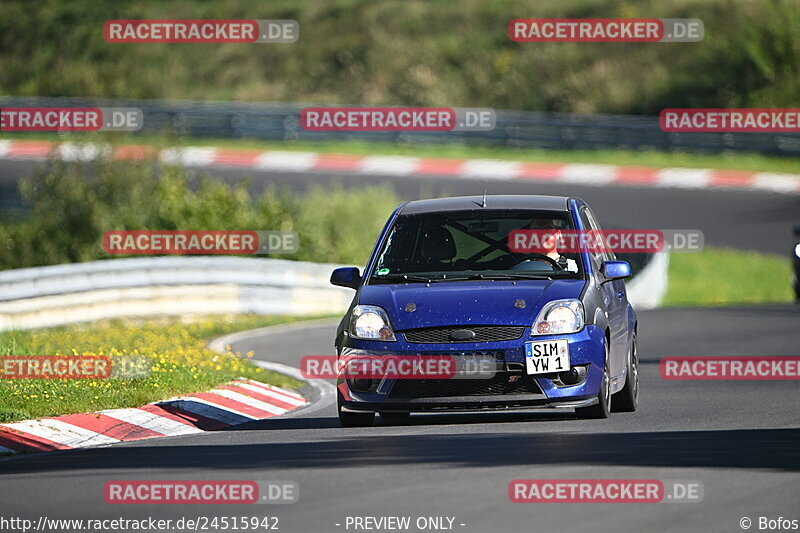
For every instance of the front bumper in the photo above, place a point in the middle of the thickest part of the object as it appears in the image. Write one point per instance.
(510, 388)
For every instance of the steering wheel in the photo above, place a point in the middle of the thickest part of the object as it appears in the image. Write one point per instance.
(537, 257)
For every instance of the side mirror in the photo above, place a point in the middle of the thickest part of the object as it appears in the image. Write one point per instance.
(346, 277)
(615, 270)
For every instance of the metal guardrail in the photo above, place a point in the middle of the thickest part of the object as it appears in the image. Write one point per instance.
(517, 129)
(163, 286)
(180, 286)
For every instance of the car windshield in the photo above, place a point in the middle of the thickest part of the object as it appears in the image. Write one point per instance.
(471, 245)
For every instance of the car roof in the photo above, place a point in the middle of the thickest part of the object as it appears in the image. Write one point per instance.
(493, 201)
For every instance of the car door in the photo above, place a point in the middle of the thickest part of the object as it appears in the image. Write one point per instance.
(615, 299)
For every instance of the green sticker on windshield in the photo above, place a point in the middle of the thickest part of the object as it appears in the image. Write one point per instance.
(382, 272)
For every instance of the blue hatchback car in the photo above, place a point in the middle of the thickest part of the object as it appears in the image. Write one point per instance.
(442, 280)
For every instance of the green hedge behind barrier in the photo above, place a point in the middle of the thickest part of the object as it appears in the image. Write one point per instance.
(74, 204)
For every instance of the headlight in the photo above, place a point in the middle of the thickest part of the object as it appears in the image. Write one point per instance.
(558, 317)
(370, 322)
(797, 250)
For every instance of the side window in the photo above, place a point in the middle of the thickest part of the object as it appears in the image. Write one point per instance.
(607, 255)
(588, 224)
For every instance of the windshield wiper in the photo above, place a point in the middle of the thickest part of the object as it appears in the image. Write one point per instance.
(403, 277)
(422, 279)
(510, 276)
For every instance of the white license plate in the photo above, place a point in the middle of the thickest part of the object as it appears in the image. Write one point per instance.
(545, 357)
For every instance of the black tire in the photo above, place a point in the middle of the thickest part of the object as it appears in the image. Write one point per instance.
(395, 416)
(627, 400)
(603, 405)
(354, 420)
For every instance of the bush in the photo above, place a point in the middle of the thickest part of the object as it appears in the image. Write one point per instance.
(74, 204)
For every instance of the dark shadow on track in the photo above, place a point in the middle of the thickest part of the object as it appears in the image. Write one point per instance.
(773, 449)
(418, 419)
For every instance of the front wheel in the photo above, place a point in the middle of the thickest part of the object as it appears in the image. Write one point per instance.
(353, 420)
(627, 400)
(603, 405)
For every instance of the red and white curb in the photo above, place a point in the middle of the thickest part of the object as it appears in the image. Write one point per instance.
(240, 401)
(403, 166)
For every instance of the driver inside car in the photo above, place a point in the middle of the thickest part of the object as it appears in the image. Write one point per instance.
(550, 244)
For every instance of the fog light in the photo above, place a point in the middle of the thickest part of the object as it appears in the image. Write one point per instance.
(361, 384)
(570, 377)
(573, 376)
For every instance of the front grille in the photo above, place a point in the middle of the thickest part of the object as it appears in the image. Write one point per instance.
(441, 388)
(441, 335)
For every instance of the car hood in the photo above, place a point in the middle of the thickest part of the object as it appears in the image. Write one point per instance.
(467, 302)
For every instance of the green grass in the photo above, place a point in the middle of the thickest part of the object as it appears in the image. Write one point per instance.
(721, 276)
(178, 359)
(411, 52)
(644, 158)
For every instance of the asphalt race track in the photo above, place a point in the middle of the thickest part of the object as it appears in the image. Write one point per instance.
(739, 439)
(745, 220)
